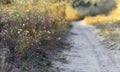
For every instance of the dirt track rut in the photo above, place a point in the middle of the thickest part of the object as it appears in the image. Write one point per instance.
(88, 53)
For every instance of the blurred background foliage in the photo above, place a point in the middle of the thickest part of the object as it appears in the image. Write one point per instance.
(112, 17)
(93, 7)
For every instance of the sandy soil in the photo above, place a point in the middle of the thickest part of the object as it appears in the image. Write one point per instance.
(88, 53)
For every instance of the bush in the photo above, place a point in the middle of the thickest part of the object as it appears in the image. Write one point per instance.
(111, 17)
(27, 37)
(92, 8)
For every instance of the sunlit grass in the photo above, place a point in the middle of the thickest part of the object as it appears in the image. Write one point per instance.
(112, 17)
(71, 13)
(57, 9)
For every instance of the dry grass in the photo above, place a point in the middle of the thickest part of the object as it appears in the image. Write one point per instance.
(112, 17)
(71, 13)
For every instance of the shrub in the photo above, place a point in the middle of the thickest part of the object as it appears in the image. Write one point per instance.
(111, 17)
(28, 36)
(92, 7)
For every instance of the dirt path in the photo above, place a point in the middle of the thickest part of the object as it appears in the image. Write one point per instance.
(88, 54)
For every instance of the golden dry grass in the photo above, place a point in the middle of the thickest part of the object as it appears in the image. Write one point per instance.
(56, 9)
(71, 13)
(112, 17)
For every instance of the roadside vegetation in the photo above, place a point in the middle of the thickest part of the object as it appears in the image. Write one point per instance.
(31, 32)
(109, 25)
(92, 7)
(111, 35)
(112, 17)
